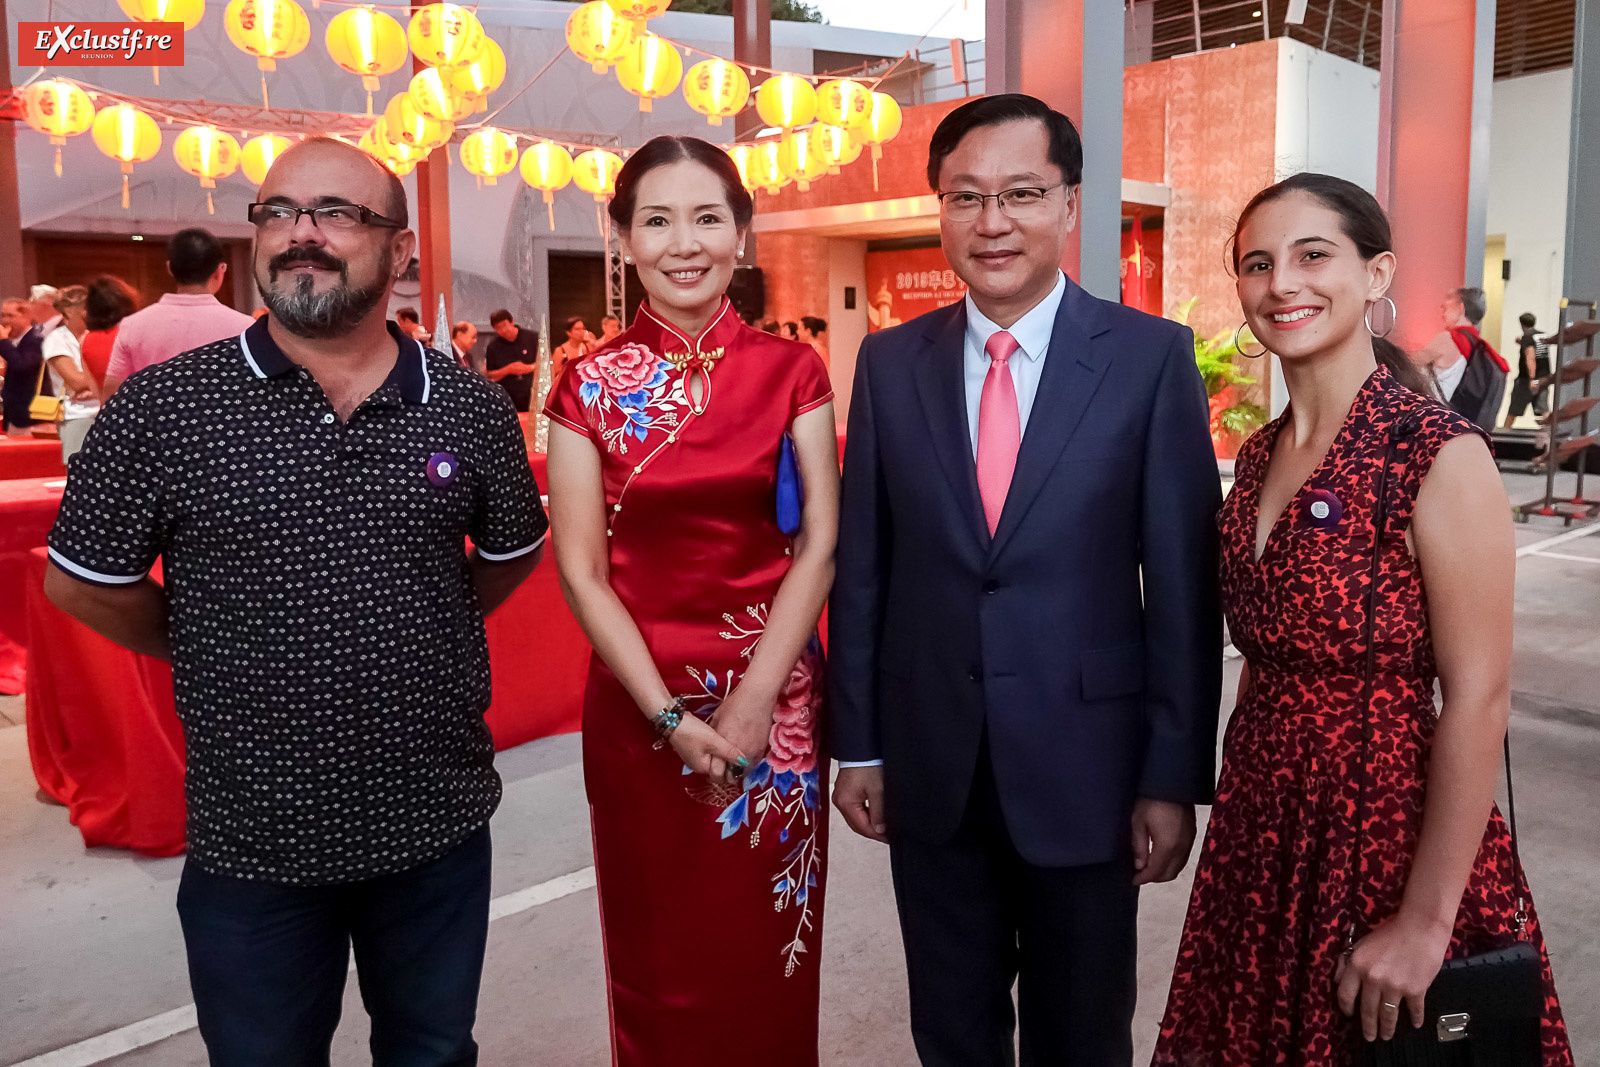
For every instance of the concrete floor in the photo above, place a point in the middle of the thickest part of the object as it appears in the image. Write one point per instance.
(89, 941)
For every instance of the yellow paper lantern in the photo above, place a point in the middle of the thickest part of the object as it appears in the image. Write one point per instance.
(717, 89)
(476, 80)
(844, 102)
(270, 30)
(547, 167)
(838, 147)
(650, 68)
(742, 156)
(595, 172)
(883, 123)
(260, 153)
(437, 100)
(800, 156)
(366, 42)
(445, 35)
(389, 150)
(489, 153)
(58, 109)
(639, 10)
(598, 35)
(188, 12)
(397, 158)
(208, 154)
(406, 124)
(128, 135)
(786, 101)
(766, 169)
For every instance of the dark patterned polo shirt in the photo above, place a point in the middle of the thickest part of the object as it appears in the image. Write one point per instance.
(328, 652)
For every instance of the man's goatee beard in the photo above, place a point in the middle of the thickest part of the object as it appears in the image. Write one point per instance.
(331, 313)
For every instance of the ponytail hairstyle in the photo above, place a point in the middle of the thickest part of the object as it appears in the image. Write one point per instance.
(1399, 366)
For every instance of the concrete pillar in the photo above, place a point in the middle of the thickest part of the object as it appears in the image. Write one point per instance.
(1582, 271)
(1037, 47)
(433, 235)
(1433, 151)
(752, 45)
(13, 280)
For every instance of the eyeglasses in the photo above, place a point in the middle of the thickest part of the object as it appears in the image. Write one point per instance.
(1020, 203)
(335, 218)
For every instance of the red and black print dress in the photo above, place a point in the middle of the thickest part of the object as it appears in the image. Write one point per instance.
(1273, 892)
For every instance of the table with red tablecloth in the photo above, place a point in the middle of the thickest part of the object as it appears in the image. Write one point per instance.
(103, 734)
(30, 457)
(27, 510)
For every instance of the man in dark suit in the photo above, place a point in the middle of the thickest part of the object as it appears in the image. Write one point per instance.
(1024, 629)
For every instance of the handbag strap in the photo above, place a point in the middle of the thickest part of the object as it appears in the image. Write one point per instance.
(1402, 429)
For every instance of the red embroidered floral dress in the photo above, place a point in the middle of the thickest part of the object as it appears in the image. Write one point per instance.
(1273, 892)
(710, 898)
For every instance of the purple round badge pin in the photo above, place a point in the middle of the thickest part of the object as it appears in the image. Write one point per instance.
(442, 468)
(1323, 510)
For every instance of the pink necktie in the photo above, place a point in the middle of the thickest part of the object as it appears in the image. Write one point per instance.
(999, 428)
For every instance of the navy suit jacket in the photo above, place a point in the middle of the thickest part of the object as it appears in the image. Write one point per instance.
(1084, 637)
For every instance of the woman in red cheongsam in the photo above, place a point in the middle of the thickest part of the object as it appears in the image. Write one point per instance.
(1310, 925)
(684, 559)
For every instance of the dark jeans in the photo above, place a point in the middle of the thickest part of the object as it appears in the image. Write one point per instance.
(976, 917)
(267, 962)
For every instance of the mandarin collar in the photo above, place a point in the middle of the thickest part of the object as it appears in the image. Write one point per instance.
(410, 376)
(664, 337)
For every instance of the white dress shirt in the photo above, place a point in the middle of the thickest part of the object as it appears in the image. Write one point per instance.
(1032, 334)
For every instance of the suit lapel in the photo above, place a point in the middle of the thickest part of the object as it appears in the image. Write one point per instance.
(941, 385)
(1073, 368)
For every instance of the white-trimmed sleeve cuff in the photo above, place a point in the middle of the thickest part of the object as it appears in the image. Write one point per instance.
(501, 557)
(846, 765)
(83, 573)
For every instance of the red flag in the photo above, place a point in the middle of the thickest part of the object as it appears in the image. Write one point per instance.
(1133, 278)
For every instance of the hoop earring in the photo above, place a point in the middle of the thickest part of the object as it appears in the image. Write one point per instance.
(1238, 331)
(1394, 316)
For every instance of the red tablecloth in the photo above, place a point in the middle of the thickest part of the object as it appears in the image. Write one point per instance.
(102, 734)
(104, 737)
(30, 457)
(27, 508)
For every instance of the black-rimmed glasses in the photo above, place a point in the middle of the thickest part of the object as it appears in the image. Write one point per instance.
(332, 217)
(964, 206)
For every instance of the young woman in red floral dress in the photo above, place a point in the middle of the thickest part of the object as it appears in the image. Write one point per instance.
(702, 746)
(1287, 882)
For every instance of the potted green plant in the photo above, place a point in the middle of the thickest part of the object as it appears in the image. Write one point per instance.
(1232, 420)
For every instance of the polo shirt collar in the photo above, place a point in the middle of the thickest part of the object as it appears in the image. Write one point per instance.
(410, 376)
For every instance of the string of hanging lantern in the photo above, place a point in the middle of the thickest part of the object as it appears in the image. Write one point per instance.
(822, 123)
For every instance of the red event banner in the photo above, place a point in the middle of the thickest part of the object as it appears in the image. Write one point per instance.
(908, 282)
(99, 44)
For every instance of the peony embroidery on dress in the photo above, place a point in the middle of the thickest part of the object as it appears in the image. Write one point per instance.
(632, 382)
(783, 790)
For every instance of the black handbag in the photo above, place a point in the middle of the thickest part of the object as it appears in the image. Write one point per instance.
(1480, 1011)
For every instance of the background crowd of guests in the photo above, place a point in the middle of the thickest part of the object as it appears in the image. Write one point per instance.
(75, 346)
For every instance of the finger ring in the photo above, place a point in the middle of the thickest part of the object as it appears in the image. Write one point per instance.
(1390, 1007)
